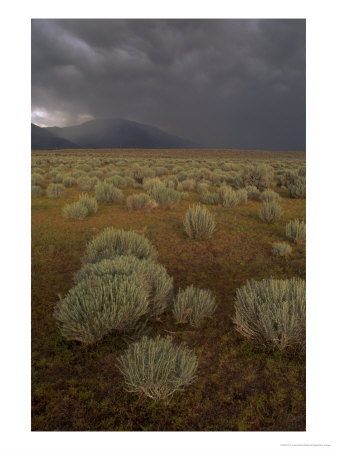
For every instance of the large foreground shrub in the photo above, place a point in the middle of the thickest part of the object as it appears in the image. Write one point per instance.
(152, 275)
(98, 306)
(295, 230)
(193, 305)
(112, 242)
(272, 311)
(157, 367)
(270, 212)
(199, 222)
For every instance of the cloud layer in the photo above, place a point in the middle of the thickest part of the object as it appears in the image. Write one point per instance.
(221, 83)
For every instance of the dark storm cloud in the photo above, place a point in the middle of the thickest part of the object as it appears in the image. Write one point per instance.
(226, 83)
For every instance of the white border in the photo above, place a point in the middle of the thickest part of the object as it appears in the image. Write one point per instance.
(321, 218)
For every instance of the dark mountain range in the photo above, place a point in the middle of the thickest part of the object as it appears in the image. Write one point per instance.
(108, 133)
(42, 139)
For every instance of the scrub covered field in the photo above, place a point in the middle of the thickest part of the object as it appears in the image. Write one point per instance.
(241, 385)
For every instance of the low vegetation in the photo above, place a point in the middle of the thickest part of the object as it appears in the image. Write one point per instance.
(157, 367)
(193, 305)
(272, 311)
(126, 273)
(199, 223)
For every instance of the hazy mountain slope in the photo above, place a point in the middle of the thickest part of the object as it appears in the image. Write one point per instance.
(106, 133)
(43, 139)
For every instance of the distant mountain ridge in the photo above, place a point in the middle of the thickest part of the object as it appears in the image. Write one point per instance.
(108, 133)
(42, 139)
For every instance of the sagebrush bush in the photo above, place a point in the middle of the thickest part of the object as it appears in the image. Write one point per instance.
(112, 242)
(75, 211)
(253, 192)
(193, 305)
(149, 184)
(55, 190)
(36, 191)
(281, 249)
(153, 275)
(140, 201)
(296, 230)
(228, 197)
(157, 367)
(298, 188)
(189, 184)
(97, 306)
(270, 212)
(37, 180)
(209, 198)
(88, 202)
(69, 181)
(86, 183)
(242, 196)
(202, 187)
(165, 197)
(261, 176)
(107, 193)
(271, 311)
(199, 222)
(270, 196)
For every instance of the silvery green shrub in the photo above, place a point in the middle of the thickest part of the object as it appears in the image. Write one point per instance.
(86, 183)
(302, 171)
(157, 367)
(270, 196)
(193, 305)
(242, 196)
(97, 306)
(112, 242)
(36, 191)
(202, 187)
(228, 197)
(88, 202)
(199, 222)
(253, 192)
(149, 184)
(281, 249)
(298, 188)
(189, 184)
(289, 177)
(140, 201)
(270, 212)
(55, 190)
(75, 211)
(209, 198)
(107, 193)
(165, 197)
(259, 175)
(153, 275)
(296, 230)
(37, 180)
(271, 311)
(69, 181)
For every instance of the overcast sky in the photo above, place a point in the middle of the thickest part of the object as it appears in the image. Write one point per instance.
(221, 83)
